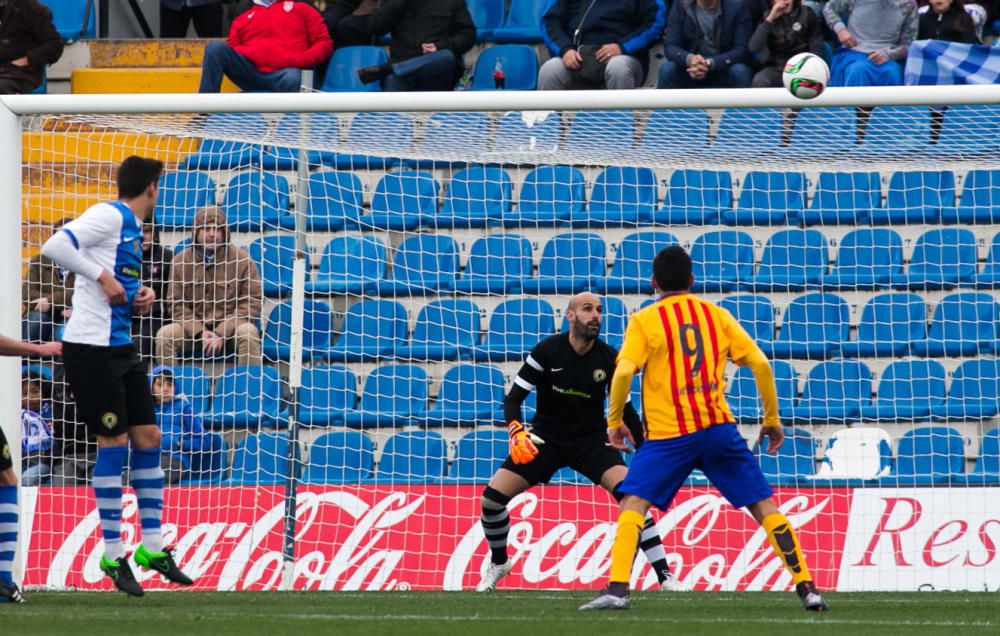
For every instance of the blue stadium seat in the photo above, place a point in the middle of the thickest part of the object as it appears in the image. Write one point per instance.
(963, 324)
(744, 399)
(621, 197)
(963, 132)
(313, 128)
(895, 131)
(401, 201)
(928, 455)
(695, 197)
(68, 18)
(519, 63)
(342, 70)
(348, 264)
(907, 392)
(478, 454)
(469, 395)
(835, 392)
(327, 393)
(247, 397)
(614, 323)
(568, 263)
(550, 195)
(889, 325)
(424, 264)
(256, 201)
(192, 383)
(843, 198)
(721, 260)
(208, 464)
(497, 264)
(377, 137)
(488, 16)
(260, 459)
(316, 331)
(822, 133)
(445, 330)
(515, 327)
(943, 258)
(675, 133)
(916, 197)
(793, 260)
(412, 457)
(754, 313)
(989, 278)
(980, 200)
(794, 461)
(274, 256)
(744, 132)
(478, 196)
(986, 472)
(371, 330)
(813, 328)
(217, 154)
(450, 135)
(769, 198)
(632, 268)
(523, 23)
(182, 194)
(600, 132)
(866, 259)
(528, 132)
(393, 395)
(333, 201)
(43, 87)
(974, 393)
(340, 457)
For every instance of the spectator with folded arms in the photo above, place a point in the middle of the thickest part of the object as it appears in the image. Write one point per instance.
(789, 28)
(706, 45)
(873, 42)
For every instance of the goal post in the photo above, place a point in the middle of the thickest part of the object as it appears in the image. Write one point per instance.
(368, 239)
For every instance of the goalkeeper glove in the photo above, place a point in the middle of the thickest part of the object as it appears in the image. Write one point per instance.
(522, 449)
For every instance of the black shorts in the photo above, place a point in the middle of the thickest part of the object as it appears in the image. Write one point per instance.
(109, 386)
(590, 456)
(5, 460)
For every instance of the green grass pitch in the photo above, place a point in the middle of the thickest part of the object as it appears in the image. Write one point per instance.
(541, 613)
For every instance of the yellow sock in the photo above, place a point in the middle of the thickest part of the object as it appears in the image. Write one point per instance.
(623, 551)
(786, 545)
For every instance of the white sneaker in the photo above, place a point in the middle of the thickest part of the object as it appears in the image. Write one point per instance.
(493, 574)
(671, 584)
(607, 601)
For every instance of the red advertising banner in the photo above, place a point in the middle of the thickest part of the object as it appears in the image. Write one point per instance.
(367, 537)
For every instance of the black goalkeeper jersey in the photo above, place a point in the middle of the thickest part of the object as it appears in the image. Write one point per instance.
(571, 388)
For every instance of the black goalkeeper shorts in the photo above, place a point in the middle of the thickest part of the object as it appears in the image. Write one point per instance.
(590, 456)
(5, 461)
(109, 386)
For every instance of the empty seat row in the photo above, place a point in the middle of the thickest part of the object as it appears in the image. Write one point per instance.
(482, 196)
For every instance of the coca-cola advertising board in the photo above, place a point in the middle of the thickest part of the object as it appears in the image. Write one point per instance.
(428, 537)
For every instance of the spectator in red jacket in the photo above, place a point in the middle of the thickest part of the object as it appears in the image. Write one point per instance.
(267, 48)
(28, 41)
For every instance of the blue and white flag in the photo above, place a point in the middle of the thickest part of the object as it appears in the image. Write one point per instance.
(930, 62)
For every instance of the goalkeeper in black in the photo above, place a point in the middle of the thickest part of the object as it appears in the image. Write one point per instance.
(571, 372)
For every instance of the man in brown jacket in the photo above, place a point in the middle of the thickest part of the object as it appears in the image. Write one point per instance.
(45, 292)
(28, 41)
(214, 296)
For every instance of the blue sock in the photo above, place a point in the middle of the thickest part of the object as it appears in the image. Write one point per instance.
(147, 480)
(107, 484)
(8, 531)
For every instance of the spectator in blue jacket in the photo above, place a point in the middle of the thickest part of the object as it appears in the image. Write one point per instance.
(599, 43)
(707, 45)
(180, 427)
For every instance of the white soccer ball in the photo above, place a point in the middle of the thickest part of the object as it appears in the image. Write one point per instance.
(805, 75)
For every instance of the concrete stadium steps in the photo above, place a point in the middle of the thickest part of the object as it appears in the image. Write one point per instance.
(49, 207)
(101, 147)
(147, 53)
(140, 80)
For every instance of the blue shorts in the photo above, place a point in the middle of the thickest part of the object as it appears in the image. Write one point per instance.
(660, 467)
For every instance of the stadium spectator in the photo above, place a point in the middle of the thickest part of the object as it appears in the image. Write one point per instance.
(947, 20)
(706, 45)
(600, 44)
(429, 38)
(36, 428)
(214, 296)
(873, 42)
(155, 274)
(978, 12)
(177, 15)
(74, 449)
(28, 42)
(347, 20)
(789, 28)
(180, 426)
(268, 47)
(46, 291)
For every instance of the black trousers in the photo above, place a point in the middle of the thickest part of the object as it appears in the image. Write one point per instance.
(207, 21)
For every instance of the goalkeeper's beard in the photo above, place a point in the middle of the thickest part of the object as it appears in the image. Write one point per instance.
(586, 331)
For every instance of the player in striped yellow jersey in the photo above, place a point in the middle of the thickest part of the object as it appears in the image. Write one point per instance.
(682, 343)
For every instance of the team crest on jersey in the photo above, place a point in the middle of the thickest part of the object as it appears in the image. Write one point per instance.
(109, 420)
(600, 375)
(288, 6)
